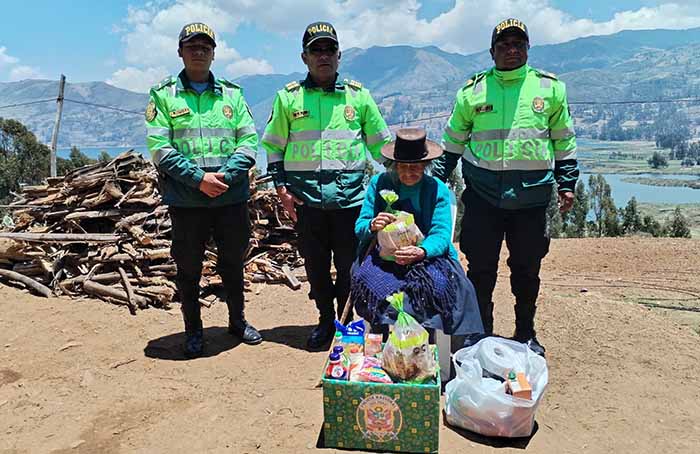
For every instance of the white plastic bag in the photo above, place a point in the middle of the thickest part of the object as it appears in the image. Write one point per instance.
(479, 403)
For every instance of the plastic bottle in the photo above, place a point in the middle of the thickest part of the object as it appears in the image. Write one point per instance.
(336, 369)
(338, 339)
(343, 355)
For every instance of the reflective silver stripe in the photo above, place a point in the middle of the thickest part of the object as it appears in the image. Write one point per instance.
(246, 151)
(203, 132)
(326, 164)
(562, 155)
(328, 134)
(451, 147)
(244, 131)
(304, 135)
(562, 133)
(498, 165)
(455, 135)
(159, 154)
(379, 137)
(274, 140)
(478, 87)
(274, 157)
(510, 134)
(152, 131)
(173, 90)
(545, 83)
(210, 161)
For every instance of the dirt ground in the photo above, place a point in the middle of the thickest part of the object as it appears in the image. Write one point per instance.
(616, 316)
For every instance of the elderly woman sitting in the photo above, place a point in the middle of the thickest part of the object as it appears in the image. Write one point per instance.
(439, 295)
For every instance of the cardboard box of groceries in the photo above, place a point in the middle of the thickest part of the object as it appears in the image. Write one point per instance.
(399, 417)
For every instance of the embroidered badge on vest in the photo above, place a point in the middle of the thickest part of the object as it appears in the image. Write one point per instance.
(538, 104)
(484, 108)
(180, 112)
(227, 111)
(300, 114)
(349, 113)
(151, 111)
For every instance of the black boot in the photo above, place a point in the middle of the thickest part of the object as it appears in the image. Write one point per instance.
(194, 344)
(530, 339)
(245, 331)
(525, 327)
(239, 327)
(324, 331)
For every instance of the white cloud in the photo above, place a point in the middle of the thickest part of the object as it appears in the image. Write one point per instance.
(13, 70)
(138, 80)
(248, 66)
(22, 72)
(5, 59)
(149, 32)
(464, 28)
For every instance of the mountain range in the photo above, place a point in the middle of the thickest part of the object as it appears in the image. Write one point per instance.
(408, 83)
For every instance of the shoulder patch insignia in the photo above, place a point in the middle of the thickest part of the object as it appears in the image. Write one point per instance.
(546, 74)
(354, 84)
(164, 83)
(229, 83)
(474, 79)
(151, 111)
(291, 86)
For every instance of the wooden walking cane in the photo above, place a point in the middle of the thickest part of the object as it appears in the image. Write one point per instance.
(344, 316)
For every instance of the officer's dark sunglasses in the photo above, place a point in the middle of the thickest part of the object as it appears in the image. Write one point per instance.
(322, 50)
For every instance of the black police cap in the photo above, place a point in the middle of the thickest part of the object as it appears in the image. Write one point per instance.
(194, 29)
(316, 31)
(509, 25)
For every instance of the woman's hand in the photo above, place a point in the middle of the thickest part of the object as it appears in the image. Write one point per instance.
(381, 221)
(409, 255)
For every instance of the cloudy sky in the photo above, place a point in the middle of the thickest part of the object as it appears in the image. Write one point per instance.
(133, 44)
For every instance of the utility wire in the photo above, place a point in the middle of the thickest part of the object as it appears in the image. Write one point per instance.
(27, 103)
(102, 106)
(414, 120)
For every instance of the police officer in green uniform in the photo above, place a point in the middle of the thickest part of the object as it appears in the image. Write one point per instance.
(512, 128)
(317, 140)
(203, 142)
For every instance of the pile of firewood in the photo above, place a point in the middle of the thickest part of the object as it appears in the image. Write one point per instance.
(101, 231)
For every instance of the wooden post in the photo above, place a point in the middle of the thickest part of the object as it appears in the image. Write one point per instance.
(57, 124)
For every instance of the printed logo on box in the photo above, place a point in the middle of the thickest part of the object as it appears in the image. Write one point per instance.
(379, 418)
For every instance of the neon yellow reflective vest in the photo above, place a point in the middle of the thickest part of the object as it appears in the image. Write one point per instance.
(317, 141)
(191, 133)
(515, 136)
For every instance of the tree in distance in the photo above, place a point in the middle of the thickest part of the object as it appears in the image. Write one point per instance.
(23, 160)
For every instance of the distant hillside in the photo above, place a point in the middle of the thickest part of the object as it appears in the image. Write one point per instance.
(410, 83)
(81, 124)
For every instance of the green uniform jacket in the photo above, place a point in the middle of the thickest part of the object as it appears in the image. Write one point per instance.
(190, 134)
(515, 135)
(317, 141)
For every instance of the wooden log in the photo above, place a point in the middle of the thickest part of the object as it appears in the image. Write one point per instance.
(146, 254)
(129, 291)
(62, 237)
(99, 290)
(41, 289)
(292, 280)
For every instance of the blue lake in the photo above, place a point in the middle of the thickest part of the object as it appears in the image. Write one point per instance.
(623, 191)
